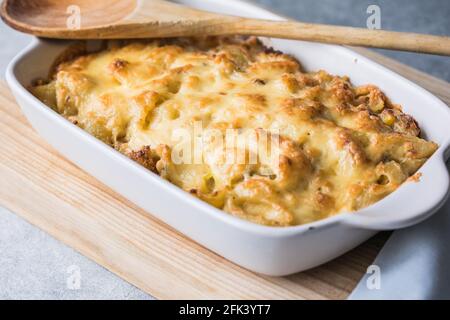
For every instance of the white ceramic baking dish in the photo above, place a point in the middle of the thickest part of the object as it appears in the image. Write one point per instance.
(268, 250)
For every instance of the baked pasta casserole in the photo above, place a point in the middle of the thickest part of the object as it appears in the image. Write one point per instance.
(339, 147)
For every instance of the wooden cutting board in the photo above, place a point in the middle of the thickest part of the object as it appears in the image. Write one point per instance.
(47, 190)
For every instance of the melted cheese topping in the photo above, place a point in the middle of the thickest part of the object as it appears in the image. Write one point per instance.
(341, 147)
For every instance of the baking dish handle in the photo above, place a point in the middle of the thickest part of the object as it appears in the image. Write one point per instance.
(416, 200)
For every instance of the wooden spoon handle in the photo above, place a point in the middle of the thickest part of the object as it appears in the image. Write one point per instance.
(346, 35)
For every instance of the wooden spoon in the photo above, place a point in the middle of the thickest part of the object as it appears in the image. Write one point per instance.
(156, 18)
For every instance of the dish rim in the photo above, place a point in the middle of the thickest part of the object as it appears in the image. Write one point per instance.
(348, 218)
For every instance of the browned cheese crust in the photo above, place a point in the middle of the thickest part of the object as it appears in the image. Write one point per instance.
(341, 147)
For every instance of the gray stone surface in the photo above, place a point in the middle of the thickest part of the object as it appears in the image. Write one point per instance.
(33, 265)
(430, 16)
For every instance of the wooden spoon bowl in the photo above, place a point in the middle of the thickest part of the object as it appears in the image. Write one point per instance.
(118, 19)
(53, 14)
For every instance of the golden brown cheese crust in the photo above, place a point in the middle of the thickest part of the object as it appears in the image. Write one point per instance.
(341, 147)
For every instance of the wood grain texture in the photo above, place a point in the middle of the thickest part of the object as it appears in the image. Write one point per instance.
(118, 19)
(53, 194)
